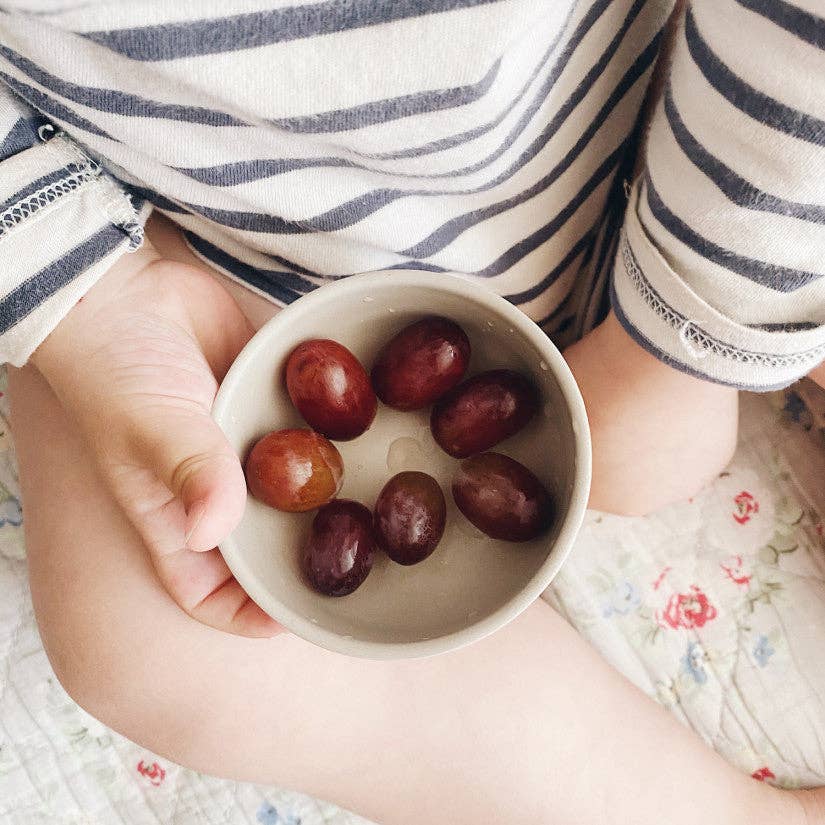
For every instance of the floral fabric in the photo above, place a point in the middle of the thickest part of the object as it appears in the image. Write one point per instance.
(714, 607)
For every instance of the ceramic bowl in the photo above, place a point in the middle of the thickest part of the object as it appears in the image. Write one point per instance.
(471, 585)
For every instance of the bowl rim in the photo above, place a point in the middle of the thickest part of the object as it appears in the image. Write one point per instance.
(457, 285)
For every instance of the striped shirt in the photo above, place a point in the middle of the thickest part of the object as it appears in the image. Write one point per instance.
(297, 142)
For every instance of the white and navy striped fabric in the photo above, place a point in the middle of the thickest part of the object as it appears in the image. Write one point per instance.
(299, 142)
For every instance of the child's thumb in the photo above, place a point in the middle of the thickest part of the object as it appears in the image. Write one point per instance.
(192, 457)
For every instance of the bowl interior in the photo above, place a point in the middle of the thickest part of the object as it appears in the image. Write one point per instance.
(470, 579)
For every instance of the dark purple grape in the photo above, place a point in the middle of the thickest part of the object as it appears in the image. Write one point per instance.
(340, 550)
(330, 388)
(294, 470)
(502, 497)
(409, 517)
(482, 411)
(422, 362)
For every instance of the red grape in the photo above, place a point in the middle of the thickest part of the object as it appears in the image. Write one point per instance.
(330, 388)
(482, 411)
(340, 550)
(421, 363)
(502, 497)
(409, 517)
(294, 470)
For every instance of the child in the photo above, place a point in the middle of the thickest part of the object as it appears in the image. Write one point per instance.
(293, 144)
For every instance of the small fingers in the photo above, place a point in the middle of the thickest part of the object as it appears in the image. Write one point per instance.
(203, 586)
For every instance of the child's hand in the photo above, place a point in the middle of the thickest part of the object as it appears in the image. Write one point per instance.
(659, 435)
(137, 364)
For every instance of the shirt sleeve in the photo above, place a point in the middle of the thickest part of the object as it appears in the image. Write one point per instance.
(63, 223)
(719, 268)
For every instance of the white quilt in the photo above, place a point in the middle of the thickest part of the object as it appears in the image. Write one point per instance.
(715, 607)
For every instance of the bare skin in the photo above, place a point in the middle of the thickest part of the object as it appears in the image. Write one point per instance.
(530, 725)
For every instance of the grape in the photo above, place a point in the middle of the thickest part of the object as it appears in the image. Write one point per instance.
(340, 550)
(330, 388)
(422, 362)
(409, 517)
(482, 411)
(502, 497)
(294, 470)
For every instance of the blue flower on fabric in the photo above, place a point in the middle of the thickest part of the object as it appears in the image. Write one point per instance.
(762, 651)
(268, 815)
(622, 599)
(694, 663)
(11, 512)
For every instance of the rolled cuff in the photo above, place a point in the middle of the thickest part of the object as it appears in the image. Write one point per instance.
(63, 223)
(666, 317)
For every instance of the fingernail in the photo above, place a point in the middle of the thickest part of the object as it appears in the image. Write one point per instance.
(194, 517)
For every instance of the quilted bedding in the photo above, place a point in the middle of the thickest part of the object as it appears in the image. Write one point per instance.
(715, 607)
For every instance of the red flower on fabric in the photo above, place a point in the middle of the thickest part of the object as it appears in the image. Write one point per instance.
(733, 570)
(763, 773)
(746, 506)
(154, 773)
(687, 610)
(661, 577)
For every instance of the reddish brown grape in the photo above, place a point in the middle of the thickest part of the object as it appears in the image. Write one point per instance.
(482, 411)
(340, 550)
(330, 388)
(409, 517)
(422, 362)
(502, 497)
(294, 470)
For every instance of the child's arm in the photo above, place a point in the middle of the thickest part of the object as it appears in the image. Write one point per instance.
(112, 333)
(720, 269)
(137, 364)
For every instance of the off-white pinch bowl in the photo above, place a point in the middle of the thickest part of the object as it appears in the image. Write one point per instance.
(471, 585)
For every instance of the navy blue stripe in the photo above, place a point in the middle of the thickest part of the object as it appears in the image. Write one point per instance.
(801, 326)
(356, 209)
(599, 275)
(26, 297)
(576, 96)
(156, 199)
(424, 266)
(451, 141)
(51, 107)
(247, 220)
(555, 273)
(129, 105)
(805, 25)
(563, 307)
(282, 285)
(232, 174)
(742, 192)
(115, 102)
(450, 230)
(171, 41)
(21, 136)
(774, 276)
(246, 171)
(383, 111)
(665, 357)
(515, 253)
(39, 183)
(743, 96)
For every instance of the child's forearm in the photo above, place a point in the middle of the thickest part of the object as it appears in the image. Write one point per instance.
(659, 435)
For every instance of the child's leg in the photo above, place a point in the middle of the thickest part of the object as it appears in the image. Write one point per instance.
(528, 726)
